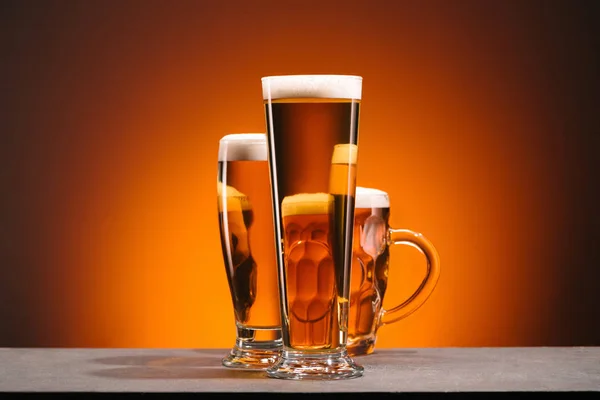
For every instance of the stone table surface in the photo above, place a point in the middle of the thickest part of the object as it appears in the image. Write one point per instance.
(387, 370)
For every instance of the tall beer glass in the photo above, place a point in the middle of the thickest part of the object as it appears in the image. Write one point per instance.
(246, 227)
(312, 123)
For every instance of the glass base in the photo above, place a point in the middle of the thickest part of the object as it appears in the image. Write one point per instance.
(250, 353)
(361, 347)
(315, 366)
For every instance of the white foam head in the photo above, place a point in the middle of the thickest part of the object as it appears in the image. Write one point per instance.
(312, 86)
(232, 199)
(243, 147)
(371, 198)
(345, 153)
(306, 204)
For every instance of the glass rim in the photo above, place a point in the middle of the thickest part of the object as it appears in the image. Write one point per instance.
(243, 147)
(336, 76)
(312, 86)
(243, 137)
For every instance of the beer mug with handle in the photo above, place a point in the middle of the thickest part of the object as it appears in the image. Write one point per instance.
(372, 239)
(312, 136)
(246, 228)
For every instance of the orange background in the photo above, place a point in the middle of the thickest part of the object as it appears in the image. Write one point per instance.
(479, 119)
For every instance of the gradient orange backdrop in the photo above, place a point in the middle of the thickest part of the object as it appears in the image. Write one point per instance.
(478, 118)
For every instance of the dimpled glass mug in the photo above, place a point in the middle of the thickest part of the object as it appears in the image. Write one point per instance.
(372, 239)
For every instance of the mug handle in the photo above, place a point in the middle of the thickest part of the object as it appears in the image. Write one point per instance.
(416, 300)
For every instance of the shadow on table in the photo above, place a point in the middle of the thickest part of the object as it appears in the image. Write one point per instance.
(201, 364)
(391, 352)
(395, 356)
(140, 372)
(204, 359)
(206, 364)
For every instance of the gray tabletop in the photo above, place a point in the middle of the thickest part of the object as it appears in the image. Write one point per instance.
(387, 370)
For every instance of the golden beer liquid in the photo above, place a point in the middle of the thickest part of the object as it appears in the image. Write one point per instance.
(315, 148)
(370, 264)
(246, 223)
(310, 270)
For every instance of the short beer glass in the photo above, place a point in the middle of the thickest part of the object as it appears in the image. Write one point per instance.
(373, 237)
(312, 135)
(246, 228)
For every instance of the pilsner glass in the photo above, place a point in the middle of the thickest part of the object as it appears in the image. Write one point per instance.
(312, 135)
(246, 228)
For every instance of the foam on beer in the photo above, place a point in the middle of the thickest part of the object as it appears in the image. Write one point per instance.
(341, 177)
(236, 200)
(312, 86)
(371, 198)
(243, 147)
(307, 204)
(345, 154)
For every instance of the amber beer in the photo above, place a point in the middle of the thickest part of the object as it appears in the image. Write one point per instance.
(312, 138)
(247, 241)
(309, 243)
